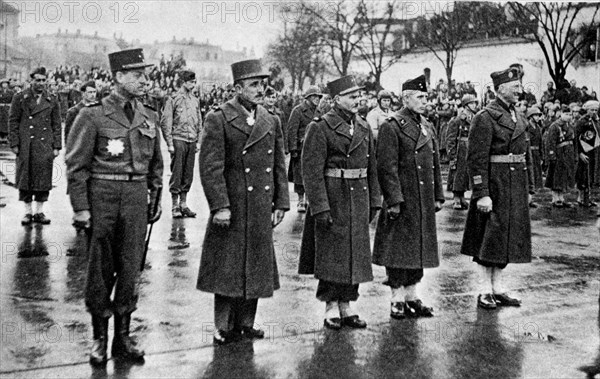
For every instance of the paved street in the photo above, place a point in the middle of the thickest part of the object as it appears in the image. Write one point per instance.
(46, 331)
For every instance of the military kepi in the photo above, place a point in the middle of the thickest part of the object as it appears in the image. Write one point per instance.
(509, 75)
(343, 86)
(127, 60)
(251, 68)
(38, 71)
(416, 84)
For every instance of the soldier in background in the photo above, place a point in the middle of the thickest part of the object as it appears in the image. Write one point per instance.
(6, 95)
(587, 143)
(381, 112)
(300, 117)
(89, 97)
(534, 130)
(114, 168)
(36, 138)
(561, 158)
(270, 104)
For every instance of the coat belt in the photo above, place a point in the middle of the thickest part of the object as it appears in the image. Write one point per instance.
(535, 147)
(355, 173)
(563, 144)
(511, 158)
(120, 177)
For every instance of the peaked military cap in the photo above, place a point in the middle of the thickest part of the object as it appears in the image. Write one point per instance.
(38, 71)
(506, 76)
(251, 68)
(187, 75)
(343, 86)
(87, 84)
(127, 60)
(416, 84)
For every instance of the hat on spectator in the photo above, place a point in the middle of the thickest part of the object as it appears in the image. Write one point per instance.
(574, 107)
(533, 111)
(251, 68)
(505, 76)
(383, 94)
(187, 75)
(85, 85)
(468, 98)
(591, 104)
(312, 91)
(343, 86)
(127, 60)
(38, 71)
(4, 80)
(416, 84)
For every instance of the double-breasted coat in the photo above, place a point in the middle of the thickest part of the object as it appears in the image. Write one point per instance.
(35, 128)
(342, 252)
(456, 148)
(561, 156)
(301, 116)
(242, 167)
(504, 235)
(409, 174)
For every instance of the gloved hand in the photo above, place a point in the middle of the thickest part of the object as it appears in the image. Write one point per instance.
(484, 204)
(393, 212)
(324, 219)
(372, 213)
(15, 150)
(277, 217)
(154, 213)
(438, 206)
(82, 219)
(222, 217)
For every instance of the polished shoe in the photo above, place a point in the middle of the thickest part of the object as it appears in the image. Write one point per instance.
(224, 337)
(98, 356)
(187, 212)
(416, 308)
(334, 323)
(486, 301)
(533, 204)
(251, 333)
(354, 322)
(457, 206)
(27, 219)
(41, 218)
(566, 204)
(503, 300)
(123, 346)
(397, 310)
(176, 212)
(301, 207)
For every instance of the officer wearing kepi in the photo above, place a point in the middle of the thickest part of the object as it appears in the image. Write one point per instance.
(498, 228)
(114, 169)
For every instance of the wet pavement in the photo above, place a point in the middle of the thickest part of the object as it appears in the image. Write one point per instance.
(46, 331)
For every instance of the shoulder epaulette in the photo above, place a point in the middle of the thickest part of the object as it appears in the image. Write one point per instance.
(92, 104)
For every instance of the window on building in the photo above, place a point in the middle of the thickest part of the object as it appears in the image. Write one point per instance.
(207, 56)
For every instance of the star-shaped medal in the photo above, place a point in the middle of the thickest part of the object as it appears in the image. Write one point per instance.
(115, 147)
(250, 120)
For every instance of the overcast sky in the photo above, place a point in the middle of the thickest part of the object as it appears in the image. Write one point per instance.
(226, 23)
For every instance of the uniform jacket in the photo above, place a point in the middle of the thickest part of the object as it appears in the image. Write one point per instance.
(537, 151)
(342, 252)
(300, 117)
(409, 174)
(504, 235)
(242, 168)
(103, 141)
(36, 130)
(70, 118)
(375, 118)
(181, 118)
(456, 148)
(561, 170)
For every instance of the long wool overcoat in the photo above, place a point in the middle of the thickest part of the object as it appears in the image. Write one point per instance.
(242, 168)
(504, 235)
(561, 170)
(35, 128)
(409, 175)
(342, 252)
(458, 131)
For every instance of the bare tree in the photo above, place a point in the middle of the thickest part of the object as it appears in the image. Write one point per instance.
(560, 41)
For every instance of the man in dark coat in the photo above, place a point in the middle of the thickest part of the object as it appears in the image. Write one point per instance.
(300, 117)
(242, 168)
(561, 157)
(340, 176)
(408, 165)
(89, 97)
(457, 136)
(534, 130)
(272, 106)
(6, 96)
(36, 138)
(114, 168)
(587, 143)
(498, 228)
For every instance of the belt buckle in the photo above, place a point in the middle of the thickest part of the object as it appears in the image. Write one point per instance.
(342, 173)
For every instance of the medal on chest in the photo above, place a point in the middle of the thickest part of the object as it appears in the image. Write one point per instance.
(115, 147)
(250, 120)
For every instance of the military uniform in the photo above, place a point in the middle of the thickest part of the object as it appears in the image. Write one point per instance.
(6, 95)
(534, 130)
(586, 138)
(561, 156)
(70, 117)
(457, 136)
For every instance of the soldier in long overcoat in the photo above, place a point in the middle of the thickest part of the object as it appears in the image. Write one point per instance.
(561, 156)
(457, 135)
(36, 138)
(300, 117)
(410, 177)
(498, 230)
(6, 96)
(587, 140)
(340, 177)
(242, 169)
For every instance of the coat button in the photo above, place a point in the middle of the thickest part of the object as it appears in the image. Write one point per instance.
(267, 188)
(348, 156)
(268, 169)
(31, 127)
(247, 170)
(31, 136)
(365, 188)
(416, 152)
(42, 138)
(368, 155)
(30, 117)
(419, 167)
(45, 128)
(351, 188)
(421, 183)
(250, 189)
(244, 152)
(270, 152)
(512, 169)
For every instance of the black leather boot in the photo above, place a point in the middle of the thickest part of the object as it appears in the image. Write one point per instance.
(100, 331)
(123, 345)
